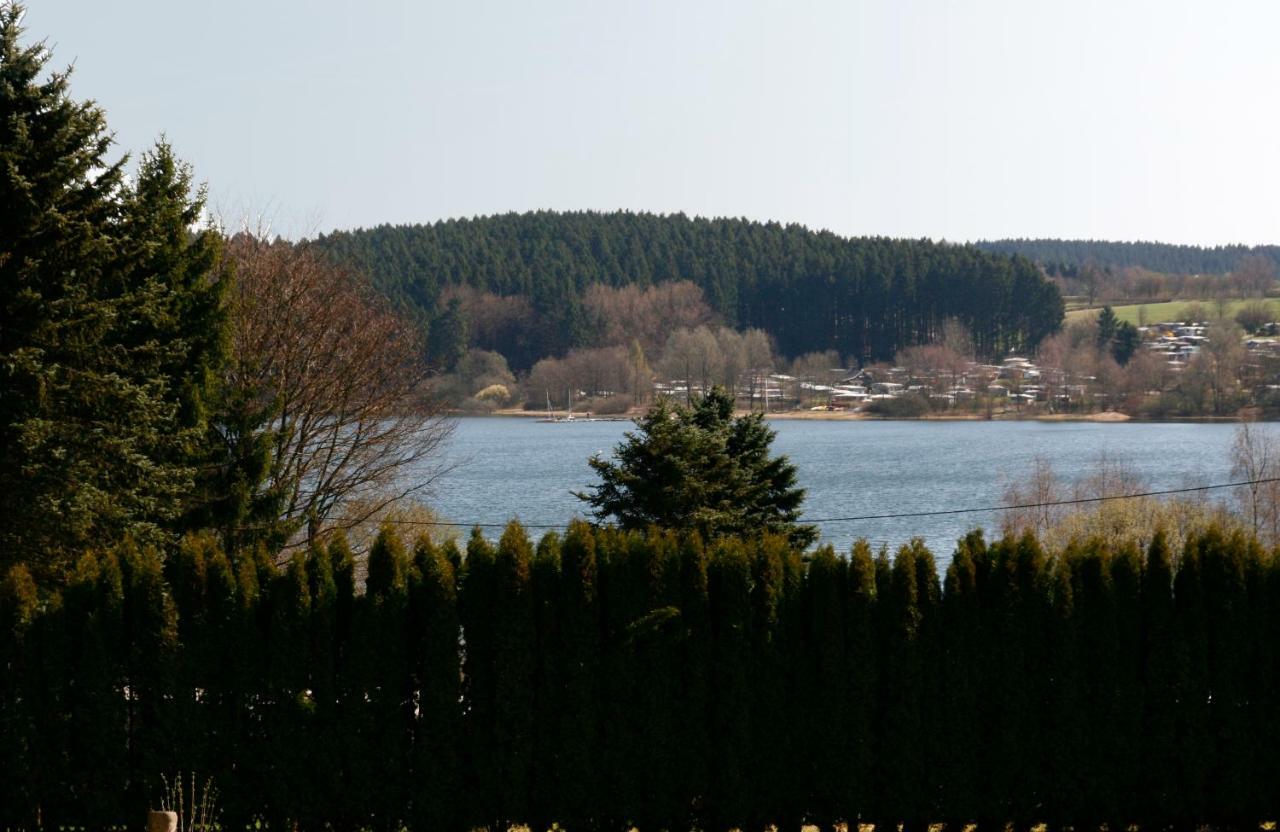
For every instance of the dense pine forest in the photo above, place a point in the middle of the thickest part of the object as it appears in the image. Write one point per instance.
(1070, 255)
(606, 680)
(865, 298)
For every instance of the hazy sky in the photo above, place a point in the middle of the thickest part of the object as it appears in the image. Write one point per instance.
(958, 120)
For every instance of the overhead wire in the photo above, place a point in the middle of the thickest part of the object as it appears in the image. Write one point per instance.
(889, 516)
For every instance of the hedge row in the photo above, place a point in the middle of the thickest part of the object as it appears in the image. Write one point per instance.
(603, 680)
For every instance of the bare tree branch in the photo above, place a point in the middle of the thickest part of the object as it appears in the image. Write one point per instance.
(355, 413)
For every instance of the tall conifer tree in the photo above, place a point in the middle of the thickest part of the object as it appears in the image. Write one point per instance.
(729, 591)
(825, 703)
(578, 680)
(388, 680)
(110, 321)
(514, 642)
(1158, 796)
(478, 608)
(962, 648)
(437, 778)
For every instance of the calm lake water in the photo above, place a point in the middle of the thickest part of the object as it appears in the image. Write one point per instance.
(512, 467)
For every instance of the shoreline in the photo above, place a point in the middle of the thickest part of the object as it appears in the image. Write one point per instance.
(1103, 417)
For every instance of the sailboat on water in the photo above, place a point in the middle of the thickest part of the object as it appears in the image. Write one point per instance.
(552, 417)
(569, 417)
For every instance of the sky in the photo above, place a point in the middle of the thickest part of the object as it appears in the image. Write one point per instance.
(1120, 119)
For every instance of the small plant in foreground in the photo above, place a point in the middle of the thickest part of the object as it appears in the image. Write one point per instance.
(197, 812)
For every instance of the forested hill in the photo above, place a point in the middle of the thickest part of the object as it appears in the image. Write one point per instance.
(864, 297)
(1068, 255)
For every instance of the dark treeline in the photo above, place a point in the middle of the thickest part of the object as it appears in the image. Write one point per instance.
(605, 680)
(866, 298)
(1070, 255)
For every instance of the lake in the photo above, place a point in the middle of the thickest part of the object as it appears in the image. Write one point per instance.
(513, 467)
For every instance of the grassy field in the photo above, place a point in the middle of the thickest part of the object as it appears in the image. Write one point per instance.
(1170, 311)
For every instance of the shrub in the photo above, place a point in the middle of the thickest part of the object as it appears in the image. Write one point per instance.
(903, 407)
(1255, 315)
(612, 405)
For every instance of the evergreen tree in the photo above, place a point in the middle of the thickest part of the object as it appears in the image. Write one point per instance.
(1159, 801)
(326, 645)
(862, 675)
(729, 592)
(578, 679)
(962, 647)
(1108, 325)
(621, 605)
(1068, 729)
(1125, 343)
(823, 671)
(1191, 684)
(1230, 661)
(447, 337)
(1096, 674)
(654, 636)
(437, 777)
(388, 717)
(111, 322)
(770, 781)
(151, 632)
(478, 608)
(1124, 757)
(61, 196)
(695, 754)
(179, 334)
(544, 587)
(348, 693)
(699, 468)
(903, 757)
(19, 606)
(92, 758)
(514, 641)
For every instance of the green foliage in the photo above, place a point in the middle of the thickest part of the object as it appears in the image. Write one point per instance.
(1107, 324)
(700, 468)
(436, 796)
(447, 337)
(1120, 338)
(617, 678)
(113, 326)
(1068, 256)
(1126, 342)
(864, 297)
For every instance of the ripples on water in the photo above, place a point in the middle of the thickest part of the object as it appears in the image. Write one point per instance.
(513, 467)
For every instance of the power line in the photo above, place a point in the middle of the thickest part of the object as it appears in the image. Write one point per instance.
(895, 515)
(1047, 504)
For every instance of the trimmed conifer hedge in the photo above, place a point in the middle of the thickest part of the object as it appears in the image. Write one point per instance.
(602, 680)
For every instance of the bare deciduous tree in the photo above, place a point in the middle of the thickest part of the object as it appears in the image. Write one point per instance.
(582, 374)
(1126, 520)
(694, 356)
(1255, 458)
(1255, 275)
(630, 313)
(355, 427)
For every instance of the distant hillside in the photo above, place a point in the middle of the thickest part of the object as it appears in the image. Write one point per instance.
(1069, 255)
(864, 297)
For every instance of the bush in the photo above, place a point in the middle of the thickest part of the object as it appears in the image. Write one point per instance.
(1255, 315)
(476, 406)
(612, 674)
(1194, 313)
(612, 405)
(903, 407)
(498, 394)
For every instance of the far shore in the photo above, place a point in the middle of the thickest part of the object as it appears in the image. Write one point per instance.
(853, 416)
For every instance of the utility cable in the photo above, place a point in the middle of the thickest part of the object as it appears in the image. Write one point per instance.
(895, 515)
